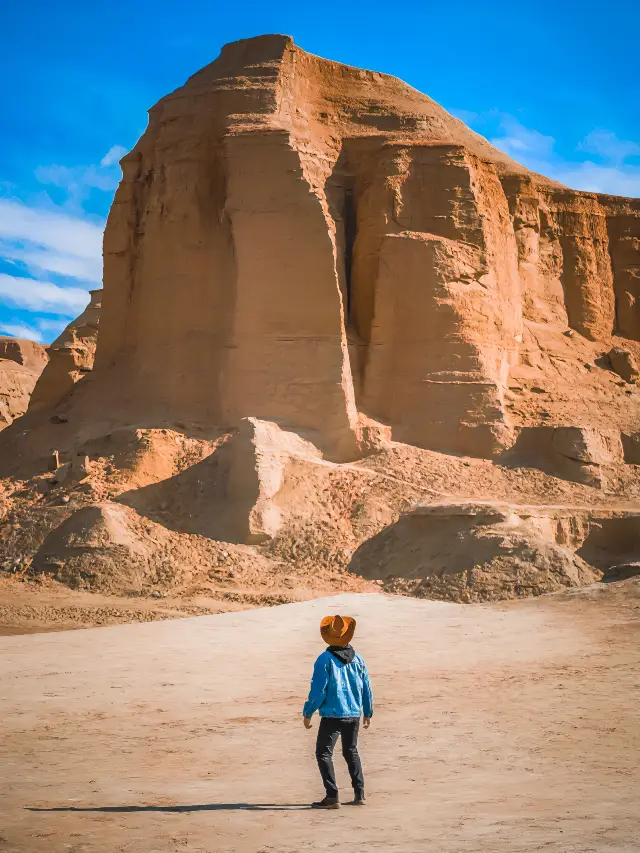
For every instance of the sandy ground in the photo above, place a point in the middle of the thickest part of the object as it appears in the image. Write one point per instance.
(37, 606)
(510, 727)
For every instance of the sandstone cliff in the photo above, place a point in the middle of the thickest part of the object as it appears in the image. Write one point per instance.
(328, 304)
(279, 205)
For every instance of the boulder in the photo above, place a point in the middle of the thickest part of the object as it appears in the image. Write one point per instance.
(98, 547)
(624, 363)
(592, 446)
(621, 572)
(580, 454)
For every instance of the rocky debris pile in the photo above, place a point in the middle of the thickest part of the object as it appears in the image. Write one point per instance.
(258, 512)
(487, 550)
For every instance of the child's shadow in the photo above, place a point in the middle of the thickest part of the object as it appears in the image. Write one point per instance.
(205, 807)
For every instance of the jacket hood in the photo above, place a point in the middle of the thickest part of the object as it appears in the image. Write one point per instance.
(345, 654)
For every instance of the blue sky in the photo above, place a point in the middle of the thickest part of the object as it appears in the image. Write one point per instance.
(555, 84)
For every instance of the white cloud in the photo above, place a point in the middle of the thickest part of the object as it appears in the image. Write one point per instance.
(18, 330)
(467, 116)
(113, 155)
(42, 330)
(517, 140)
(595, 177)
(79, 181)
(612, 175)
(43, 296)
(606, 144)
(41, 260)
(54, 325)
(55, 250)
(67, 235)
(49, 242)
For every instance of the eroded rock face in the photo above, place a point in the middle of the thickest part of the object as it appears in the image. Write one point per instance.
(71, 357)
(21, 363)
(280, 205)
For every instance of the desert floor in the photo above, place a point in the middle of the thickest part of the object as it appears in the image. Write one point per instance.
(510, 727)
(44, 605)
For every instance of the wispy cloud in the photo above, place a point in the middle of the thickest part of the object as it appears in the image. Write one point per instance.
(113, 155)
(601, 162)
(39, 260)
(51, 229)
(517, 141)
(606, 144)
(47, 244)
(600, 178)
(51, 327)
(19, 330)
(50, 243)
(78, 182)
(41, 329)
(42, 296)
(51, 253)
(612, 174)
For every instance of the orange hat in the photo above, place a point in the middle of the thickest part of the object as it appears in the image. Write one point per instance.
(337, 630)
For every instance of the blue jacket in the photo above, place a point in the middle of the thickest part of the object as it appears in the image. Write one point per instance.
(339, 689)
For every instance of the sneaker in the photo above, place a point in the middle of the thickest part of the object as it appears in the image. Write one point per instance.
(359, 799)
(327, 803)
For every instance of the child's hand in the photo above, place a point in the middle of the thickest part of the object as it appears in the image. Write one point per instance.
(366, 722)
(307, 722)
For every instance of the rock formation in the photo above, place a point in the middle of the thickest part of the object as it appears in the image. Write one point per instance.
(21, 363)
(71, 357)
(342, 295)
(280, 205)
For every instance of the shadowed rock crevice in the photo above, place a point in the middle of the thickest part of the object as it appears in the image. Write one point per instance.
(612, 541)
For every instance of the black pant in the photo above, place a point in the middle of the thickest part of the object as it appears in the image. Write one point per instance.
(347, 728)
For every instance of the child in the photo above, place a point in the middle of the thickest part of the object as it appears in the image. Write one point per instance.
(341, 693)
